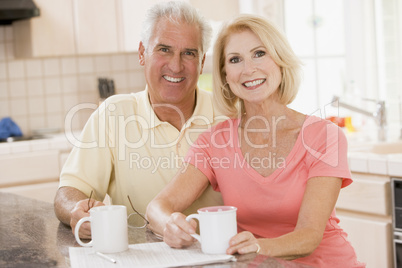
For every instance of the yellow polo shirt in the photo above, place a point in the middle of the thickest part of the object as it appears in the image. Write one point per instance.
(125, 149)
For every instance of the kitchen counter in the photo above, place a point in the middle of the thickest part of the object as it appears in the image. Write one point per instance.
(32, 236)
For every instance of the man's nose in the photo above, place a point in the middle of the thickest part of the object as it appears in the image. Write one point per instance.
(176, 63)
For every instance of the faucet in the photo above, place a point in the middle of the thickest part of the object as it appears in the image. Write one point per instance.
(379, 115)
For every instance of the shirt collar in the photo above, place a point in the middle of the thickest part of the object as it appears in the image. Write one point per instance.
(203, 113)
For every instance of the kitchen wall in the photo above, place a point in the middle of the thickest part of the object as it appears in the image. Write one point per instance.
(37, 93)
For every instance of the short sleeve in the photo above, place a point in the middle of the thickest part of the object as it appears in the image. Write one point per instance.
(326, 147)
(199, 155)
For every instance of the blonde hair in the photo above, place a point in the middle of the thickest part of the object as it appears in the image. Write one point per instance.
(278, 48)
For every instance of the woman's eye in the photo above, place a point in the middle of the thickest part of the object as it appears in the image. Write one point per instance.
(259, 53)
(234, 60)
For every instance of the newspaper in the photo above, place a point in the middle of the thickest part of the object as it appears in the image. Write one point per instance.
(147, 255)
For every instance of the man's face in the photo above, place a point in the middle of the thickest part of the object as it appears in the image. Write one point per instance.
(173, 63)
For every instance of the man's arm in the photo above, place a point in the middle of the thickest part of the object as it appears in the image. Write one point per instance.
(70, 205)
(65, 201)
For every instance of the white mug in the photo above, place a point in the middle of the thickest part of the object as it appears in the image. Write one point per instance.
(108, 229)
(217, 226)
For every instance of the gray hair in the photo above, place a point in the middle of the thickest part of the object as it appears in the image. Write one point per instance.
(176, 11)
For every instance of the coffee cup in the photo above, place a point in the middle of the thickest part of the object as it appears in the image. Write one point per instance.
(108, 229)
(217, 226)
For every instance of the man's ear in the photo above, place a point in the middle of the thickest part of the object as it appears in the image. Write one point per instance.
(141, 52)
(202, 64)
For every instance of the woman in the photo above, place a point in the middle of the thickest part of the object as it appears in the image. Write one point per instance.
(283, 170)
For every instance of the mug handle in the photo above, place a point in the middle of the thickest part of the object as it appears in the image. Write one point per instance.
(77, 229)
(194, 216)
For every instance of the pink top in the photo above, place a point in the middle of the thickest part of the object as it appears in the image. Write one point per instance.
(269, 206)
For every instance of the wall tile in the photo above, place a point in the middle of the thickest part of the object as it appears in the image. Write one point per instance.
(69, 102)
(87, 83)
(133, 62)
(17, 88)
(18, 107)
(69, 84)
(3, 89)
(68, 66)
(88, 97)
(51, 66)
(39, 92)
(10, 51)
(16, 69)
(53, 104)
(120, 81)
(55, 121)
(35, 87)
(4, 108)
(86, 65)
(52, 85)
(3, 70)
(37, 122)
(118, 63)
(36, 106)
(136, 79)
(102, 64)
(34, 68)
(3, 51)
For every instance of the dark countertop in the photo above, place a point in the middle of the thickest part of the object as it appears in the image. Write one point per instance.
(32, 236)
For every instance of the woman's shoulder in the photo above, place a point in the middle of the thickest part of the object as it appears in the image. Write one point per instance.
(315, 129)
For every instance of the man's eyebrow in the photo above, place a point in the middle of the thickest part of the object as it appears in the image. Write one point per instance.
(162, 45)
(194, 50)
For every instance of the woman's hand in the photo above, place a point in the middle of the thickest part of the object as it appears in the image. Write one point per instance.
(177, 231)
(243, 243)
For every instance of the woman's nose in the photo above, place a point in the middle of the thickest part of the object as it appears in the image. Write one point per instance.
(249, 66)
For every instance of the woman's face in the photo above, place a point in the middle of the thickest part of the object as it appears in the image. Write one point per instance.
(250, 71)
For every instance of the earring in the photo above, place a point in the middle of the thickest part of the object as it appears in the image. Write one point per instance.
(227, 94)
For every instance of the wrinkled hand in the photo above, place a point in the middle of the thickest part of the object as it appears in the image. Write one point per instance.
(243, 243)
(177, 231)
(80, 211)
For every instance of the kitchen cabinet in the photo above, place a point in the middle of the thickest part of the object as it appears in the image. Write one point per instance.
(32, 168)
(74, 27)
(364, 210)
(131, 15)
(96, 26)
(68, 27)
(51, 34)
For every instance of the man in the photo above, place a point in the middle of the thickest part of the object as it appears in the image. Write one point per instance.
(133, 144)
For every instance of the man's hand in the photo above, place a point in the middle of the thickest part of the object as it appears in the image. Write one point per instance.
(80, 211)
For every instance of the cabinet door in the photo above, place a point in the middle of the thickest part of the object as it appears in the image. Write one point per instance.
(132, 15)
(50, 34)
(371, 238)
(96, 26)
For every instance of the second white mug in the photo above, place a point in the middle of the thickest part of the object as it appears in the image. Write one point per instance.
(217, 226)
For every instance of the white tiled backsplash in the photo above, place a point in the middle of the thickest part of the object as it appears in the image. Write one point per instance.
(38, 92)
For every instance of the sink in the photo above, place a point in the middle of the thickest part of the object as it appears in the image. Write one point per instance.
(378, 148)
(23, 138)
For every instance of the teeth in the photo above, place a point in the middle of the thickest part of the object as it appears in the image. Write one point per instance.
(172, 79)
(254, 83)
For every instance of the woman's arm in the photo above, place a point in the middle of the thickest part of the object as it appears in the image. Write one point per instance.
(318, 203)
(163, 212)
